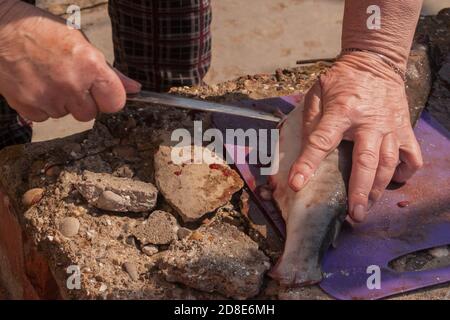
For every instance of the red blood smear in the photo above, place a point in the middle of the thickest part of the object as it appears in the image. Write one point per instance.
(225, 171)
(403, 204)
(215, 166)
(177, 173)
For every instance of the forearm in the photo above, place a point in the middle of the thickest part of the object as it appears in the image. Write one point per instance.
(394, 37)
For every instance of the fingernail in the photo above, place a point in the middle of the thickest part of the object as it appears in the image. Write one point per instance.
(359, 213)
(298, 181)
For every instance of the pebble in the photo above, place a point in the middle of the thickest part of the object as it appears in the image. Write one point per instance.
(131, 269)
(103, 288)
(150, 250)
(69, 227)
(440, 252)
(53, 171)
(109, 200)
(183, 233)
(32, 196)
(196, 236)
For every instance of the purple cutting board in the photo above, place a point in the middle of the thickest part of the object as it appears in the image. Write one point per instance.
(390, 231)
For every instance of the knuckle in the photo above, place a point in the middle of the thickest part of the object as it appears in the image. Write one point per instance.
(359, 194)
(304, 164)
(93, 56)
(367, 159)
(320, 140)
(417, 164)
(389, 160)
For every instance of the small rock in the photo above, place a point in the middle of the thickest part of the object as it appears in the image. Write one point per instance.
(131, 241)
(131, 269)
(32, 196)
(183, 233)
(103, 288)
(196, 236)
(124, 172)
(194, 190)
(226, 261)
(90, 234)
(69, 227)
(150, 250)
(440, 252)
(53, 171)
(160, 228)
(108, 200)
(111, 193)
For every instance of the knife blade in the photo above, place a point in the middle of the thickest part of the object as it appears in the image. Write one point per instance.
(168, 100)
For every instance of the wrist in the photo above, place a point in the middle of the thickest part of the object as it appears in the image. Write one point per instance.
(393, 36)
(370, 62)
(382, 58)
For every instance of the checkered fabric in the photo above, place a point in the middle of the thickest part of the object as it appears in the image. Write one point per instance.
(162, 43)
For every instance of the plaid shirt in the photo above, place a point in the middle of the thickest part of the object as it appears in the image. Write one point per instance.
(161, 43)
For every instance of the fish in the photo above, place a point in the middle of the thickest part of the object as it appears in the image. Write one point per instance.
(314, 215)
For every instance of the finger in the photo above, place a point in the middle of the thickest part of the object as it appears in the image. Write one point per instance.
(410, 157)
(33, 114)
(323, 140)
(365, 163)
(108, 91)
(130, 85)
(388, 162)
(313, 110)
(83, 109)
(55, 109)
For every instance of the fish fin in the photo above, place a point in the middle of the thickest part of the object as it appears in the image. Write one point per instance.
(336, 232)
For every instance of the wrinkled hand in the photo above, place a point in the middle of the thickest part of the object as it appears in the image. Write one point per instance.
(360, 99)
(50, 70)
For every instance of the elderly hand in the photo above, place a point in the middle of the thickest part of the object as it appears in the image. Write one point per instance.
(363, 100)
(50, 70)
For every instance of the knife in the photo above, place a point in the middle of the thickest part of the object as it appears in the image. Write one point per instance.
(168, 100)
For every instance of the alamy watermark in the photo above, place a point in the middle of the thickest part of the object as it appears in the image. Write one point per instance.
(73, 281)
(374, 20)
(374, 280)
(73, 20)
(257, 147)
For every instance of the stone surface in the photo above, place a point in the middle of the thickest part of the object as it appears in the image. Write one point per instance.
(194, 190)
(160, 228)
(69, 227)
(224, 260)
(111, 193)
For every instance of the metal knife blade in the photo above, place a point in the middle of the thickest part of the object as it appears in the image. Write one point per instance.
(169, 100)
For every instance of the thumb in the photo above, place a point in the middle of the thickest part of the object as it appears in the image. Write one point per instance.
(130, 85)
